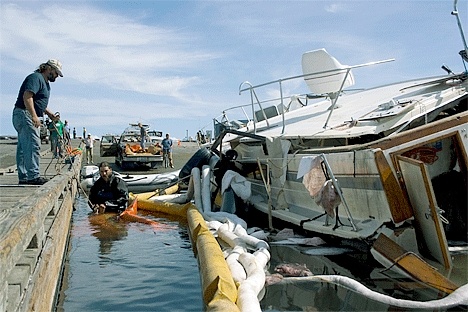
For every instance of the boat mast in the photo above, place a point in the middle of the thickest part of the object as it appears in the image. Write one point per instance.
(455, 12)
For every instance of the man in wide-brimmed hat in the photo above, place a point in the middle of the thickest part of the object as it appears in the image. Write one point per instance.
(31, 104)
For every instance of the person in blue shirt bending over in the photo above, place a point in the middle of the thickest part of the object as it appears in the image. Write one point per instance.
(31, 104)
(167, 149)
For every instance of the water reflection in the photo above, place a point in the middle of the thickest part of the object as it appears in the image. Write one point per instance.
(107, 228)
(308, 295)
(304, 297)
(115, 265)
(120, 266)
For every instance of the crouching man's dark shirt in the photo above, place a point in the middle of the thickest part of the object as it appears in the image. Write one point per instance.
(114, 193)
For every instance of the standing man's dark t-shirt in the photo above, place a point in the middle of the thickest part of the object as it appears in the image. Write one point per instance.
(36, 84)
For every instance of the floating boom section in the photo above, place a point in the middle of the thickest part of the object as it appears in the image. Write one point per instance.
(131, 214)
(218, 287)
(326, 73)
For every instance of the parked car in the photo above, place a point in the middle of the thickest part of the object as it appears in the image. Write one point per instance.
(155, 136)
(108, 146)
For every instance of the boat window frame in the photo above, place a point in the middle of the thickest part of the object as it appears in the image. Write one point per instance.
(456, 139)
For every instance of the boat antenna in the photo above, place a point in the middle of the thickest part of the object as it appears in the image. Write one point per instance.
(447, 69)
(463, 53)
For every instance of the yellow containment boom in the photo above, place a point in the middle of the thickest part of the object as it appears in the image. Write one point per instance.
(219, 289)
(168, 208)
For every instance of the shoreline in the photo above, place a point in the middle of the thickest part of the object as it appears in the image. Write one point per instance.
(181, 154)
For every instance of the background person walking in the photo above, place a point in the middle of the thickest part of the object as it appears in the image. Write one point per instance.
(56, 136)
(89, 148)
(167, 150)
(66, 132)
(31, 104)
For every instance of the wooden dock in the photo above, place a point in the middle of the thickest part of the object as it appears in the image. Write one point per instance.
(34, 230)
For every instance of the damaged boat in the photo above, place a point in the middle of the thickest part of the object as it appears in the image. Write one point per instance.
(386, 166)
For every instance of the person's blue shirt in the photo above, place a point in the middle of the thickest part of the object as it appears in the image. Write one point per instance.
(36, 84)
(166, 144)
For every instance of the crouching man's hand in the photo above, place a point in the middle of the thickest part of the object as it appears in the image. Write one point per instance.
(101, 208)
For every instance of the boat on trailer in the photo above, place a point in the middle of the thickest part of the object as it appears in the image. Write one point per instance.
(386, 165)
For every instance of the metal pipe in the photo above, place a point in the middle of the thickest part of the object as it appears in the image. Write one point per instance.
(310, 74)
(266, 183)
(455, 12)
(340, 192)
(282, 107)
(251, 101)
(336, 98)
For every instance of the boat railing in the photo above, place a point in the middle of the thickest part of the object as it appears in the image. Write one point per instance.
(266, 179)
(255, 102)
(339, 191)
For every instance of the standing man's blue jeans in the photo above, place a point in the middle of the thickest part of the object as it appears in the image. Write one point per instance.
(29, 145)
(56, 146)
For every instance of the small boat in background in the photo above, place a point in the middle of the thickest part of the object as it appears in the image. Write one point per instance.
(137, 183)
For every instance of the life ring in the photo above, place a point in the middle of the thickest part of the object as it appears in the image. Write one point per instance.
(200, 158)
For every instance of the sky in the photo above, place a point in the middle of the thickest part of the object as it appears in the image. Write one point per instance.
(176, 65)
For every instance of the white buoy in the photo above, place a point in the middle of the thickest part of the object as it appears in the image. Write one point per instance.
(197, 189)
(205, 192)
(249, 289)
(190, 189)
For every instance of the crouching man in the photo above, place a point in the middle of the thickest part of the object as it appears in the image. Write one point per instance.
(109, 192)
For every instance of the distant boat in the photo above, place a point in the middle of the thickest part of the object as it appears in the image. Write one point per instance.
(8, 137)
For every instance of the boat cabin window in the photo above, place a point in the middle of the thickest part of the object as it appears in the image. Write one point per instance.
(445, 161)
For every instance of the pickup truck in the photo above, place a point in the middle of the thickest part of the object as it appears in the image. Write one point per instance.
(128, 153)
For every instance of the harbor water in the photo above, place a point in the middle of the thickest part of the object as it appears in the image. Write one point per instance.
(122, 266)
(114, 265)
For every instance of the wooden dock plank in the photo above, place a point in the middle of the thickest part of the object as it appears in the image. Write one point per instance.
(34, 220)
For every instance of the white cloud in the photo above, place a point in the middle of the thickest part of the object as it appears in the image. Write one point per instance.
(183, 61)
(334, 7)
(97, 47)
